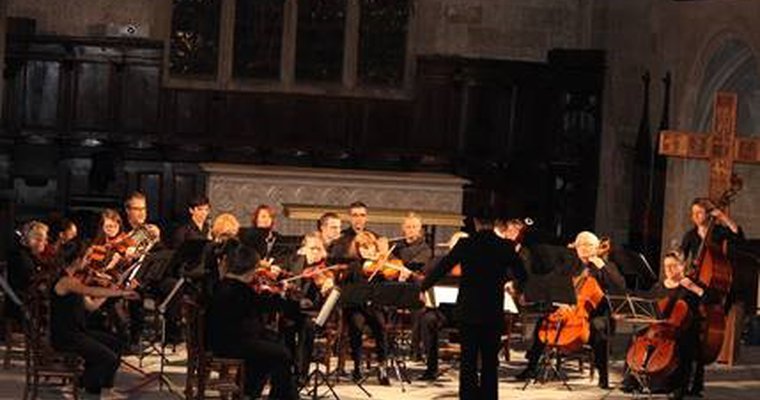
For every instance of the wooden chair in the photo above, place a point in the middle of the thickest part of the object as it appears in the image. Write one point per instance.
(205, 372)
(44, 365)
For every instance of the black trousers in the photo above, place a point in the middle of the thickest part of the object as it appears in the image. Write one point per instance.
(266, 357)
(298, 333)
(480, 341)
(427, 325)
(101, 353)
(356, 318)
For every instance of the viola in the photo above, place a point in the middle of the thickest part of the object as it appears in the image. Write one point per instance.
(568, 328)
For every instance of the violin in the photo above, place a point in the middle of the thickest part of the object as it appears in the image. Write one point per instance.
(101, 255)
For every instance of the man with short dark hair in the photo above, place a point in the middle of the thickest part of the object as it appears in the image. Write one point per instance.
(197, 228)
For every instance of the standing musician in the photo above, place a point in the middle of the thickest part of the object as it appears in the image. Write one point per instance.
(197, 228)
(357, 213)
(587, 264)
(725, 231)
(70, 301)
(136, 208)
(263, 236)
(680, 326)
(236, 328)
(488, 260)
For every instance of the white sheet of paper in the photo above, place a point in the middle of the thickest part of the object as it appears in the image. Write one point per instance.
(448, 295)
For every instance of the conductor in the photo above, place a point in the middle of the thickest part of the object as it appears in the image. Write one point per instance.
(488, 260)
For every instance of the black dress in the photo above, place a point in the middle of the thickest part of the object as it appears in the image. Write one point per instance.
(68, 331)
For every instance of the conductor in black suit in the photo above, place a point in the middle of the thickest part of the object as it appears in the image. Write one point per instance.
(488, 260)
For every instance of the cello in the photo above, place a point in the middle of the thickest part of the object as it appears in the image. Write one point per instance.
(713, 270)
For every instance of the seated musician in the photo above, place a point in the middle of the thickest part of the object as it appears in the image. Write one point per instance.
(675, 285)
(70, 301)
(197, 228)
(23, 262)
(224, 231)
(587, 263)
(365, 248)
(413, 250)
(62, 231)
(236, 328)
(328, 226)
(136, 208)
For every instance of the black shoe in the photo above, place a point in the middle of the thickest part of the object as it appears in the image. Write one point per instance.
(678, 394)
(428, 376)
(604, 383)
(527, 373)
(695, 392)
(382, 376)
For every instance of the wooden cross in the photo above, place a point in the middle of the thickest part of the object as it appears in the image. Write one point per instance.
(722, 148)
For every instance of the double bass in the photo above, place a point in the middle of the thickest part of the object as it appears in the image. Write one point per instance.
(713, 270)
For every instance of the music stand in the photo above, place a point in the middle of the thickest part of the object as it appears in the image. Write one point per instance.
(316, 375)
(547, 291)
(160, 376)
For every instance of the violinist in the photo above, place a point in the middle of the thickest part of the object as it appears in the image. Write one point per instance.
(24, 262)
(70, 301)
(413, 250)
(587, 263)
(683, 329)
(108, 249)
(224, 231)
(236, 327)
(358, 216)
(328, 226)
(366, 250)
(62, 232)
(197, 228)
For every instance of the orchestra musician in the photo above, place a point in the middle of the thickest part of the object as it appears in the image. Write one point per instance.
(224, 231)
(328, 226)
(365, 249)
(674, 286)
(23, 263)
(63, 231)
(488, 260)
(263, 237)
(236, 327)
(136, 208)
(725, 231)
(70, 301)
(197, 228)
(587, 263)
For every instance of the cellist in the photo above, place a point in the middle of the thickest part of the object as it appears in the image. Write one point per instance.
(674, 286)
(589, 263)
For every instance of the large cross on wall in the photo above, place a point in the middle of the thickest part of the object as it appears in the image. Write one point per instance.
(722, 147)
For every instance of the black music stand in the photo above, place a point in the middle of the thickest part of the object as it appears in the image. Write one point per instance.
(316, 377)
(546, 291)
(397, 295)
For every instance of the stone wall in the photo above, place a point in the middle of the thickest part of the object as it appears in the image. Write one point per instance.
(76, 17)
(514, 29)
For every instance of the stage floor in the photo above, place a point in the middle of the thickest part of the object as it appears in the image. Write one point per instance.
(739, 382)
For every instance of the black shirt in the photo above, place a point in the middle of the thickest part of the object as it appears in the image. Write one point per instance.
(691, 239)
(21, 269)
(414, 255)
(68, 317)
(189, 231)
(487, 263)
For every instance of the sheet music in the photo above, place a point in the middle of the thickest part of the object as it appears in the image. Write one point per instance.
(448, 295)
